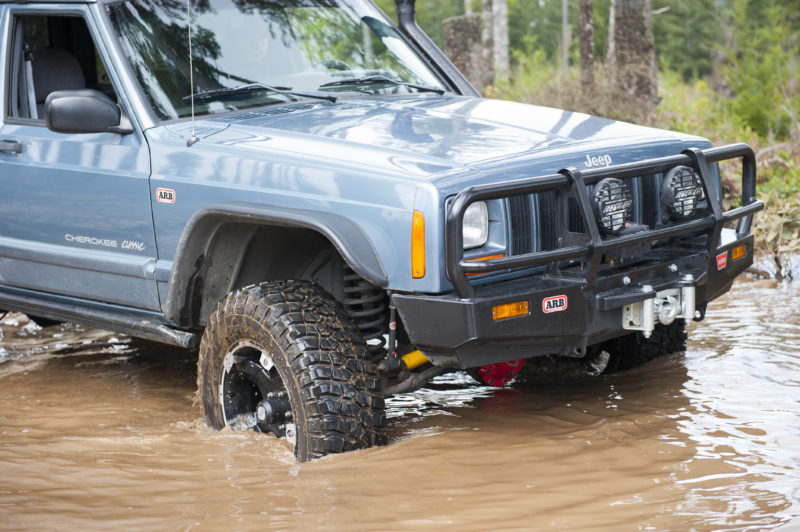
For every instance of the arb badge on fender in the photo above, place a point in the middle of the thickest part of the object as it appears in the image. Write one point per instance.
(165, 195)
(554, 304)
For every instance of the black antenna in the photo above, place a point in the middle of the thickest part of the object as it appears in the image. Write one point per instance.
(193, 139)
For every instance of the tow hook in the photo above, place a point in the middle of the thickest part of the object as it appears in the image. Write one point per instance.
(665, 307)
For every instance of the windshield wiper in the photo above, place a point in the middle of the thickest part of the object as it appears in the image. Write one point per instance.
(372, 80)
(214, 94)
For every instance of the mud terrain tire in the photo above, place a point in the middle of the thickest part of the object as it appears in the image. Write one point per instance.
(319, 355)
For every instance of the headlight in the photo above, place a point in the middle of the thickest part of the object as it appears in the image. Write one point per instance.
(476, 225)
(681, 191)
(612, 204)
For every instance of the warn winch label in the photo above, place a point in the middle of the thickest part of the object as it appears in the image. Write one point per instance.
(165, 195)
(722, 260)
(554, 304)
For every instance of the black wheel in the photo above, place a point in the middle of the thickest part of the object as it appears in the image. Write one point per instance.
(634, 349)
(284, 357)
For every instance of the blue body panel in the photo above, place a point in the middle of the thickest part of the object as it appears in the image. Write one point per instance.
(67, 199)
(376, 159)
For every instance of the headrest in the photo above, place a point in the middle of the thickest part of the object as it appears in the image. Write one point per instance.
(55, 70)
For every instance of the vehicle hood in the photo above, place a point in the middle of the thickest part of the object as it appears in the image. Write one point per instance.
(423, 136)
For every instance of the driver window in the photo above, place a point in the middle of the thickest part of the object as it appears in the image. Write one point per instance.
(51, 53)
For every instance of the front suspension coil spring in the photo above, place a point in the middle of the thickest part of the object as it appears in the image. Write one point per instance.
(368, 305)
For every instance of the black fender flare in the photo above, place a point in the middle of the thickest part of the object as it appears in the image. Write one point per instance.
(347, 238)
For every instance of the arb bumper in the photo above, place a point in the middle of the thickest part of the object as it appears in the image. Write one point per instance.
(670, 271)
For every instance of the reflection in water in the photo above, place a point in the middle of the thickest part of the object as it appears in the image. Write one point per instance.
(98, 431)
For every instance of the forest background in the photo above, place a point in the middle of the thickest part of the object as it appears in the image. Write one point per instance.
(728, 70)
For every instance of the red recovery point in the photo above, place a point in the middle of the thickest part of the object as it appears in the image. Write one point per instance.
(499, 374)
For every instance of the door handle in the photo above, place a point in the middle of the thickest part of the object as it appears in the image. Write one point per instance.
(10, 145)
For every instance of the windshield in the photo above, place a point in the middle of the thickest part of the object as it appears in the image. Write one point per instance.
(303, 45)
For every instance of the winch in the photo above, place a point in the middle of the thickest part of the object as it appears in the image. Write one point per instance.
(664, 306)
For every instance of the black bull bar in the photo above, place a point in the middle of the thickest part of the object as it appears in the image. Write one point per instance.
(575, 180)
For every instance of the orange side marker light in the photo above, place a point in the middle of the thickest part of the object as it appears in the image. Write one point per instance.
(510, 310)
(418, 246)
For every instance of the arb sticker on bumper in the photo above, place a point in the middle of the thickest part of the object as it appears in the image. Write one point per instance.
(554, 304)
(722, 260)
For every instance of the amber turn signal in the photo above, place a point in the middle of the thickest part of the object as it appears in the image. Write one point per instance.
(739, 252)
(418, 245)
(487, 257)
(510, 310)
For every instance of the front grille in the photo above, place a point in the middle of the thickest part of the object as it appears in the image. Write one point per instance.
(574, 216)
(654, 236)
(649, 200)
(521, 217)
(548, 224)
(534, 218)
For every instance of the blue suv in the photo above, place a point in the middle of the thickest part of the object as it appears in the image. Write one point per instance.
(319, 201)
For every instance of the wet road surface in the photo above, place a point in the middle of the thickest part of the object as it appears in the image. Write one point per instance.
(98, 431)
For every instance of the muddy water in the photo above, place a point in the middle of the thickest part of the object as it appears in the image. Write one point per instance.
(98, 432)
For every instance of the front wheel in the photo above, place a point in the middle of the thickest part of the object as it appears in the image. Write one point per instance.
(283, 357)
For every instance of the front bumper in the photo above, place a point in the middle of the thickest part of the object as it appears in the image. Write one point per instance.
(458, 329)
(461, 332)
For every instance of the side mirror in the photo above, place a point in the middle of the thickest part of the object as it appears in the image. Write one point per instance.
(84, 111)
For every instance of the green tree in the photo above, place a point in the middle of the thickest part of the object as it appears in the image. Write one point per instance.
(687, 33)
(536, 25)
(761, 66)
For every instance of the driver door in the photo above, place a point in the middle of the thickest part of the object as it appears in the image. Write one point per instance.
(75, 215)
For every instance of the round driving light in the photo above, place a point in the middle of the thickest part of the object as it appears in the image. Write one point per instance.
(681, 191)
(612, 204)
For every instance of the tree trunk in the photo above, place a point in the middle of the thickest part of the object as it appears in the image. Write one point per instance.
(500, 38)
(586, 23)
(612, 17)
(634, 69)
(487, 35)
(462, 43)
(565, 34)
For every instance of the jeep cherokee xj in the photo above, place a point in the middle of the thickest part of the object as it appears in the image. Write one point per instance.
(319, 201)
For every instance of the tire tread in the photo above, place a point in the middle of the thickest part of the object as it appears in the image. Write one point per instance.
(327, 356)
